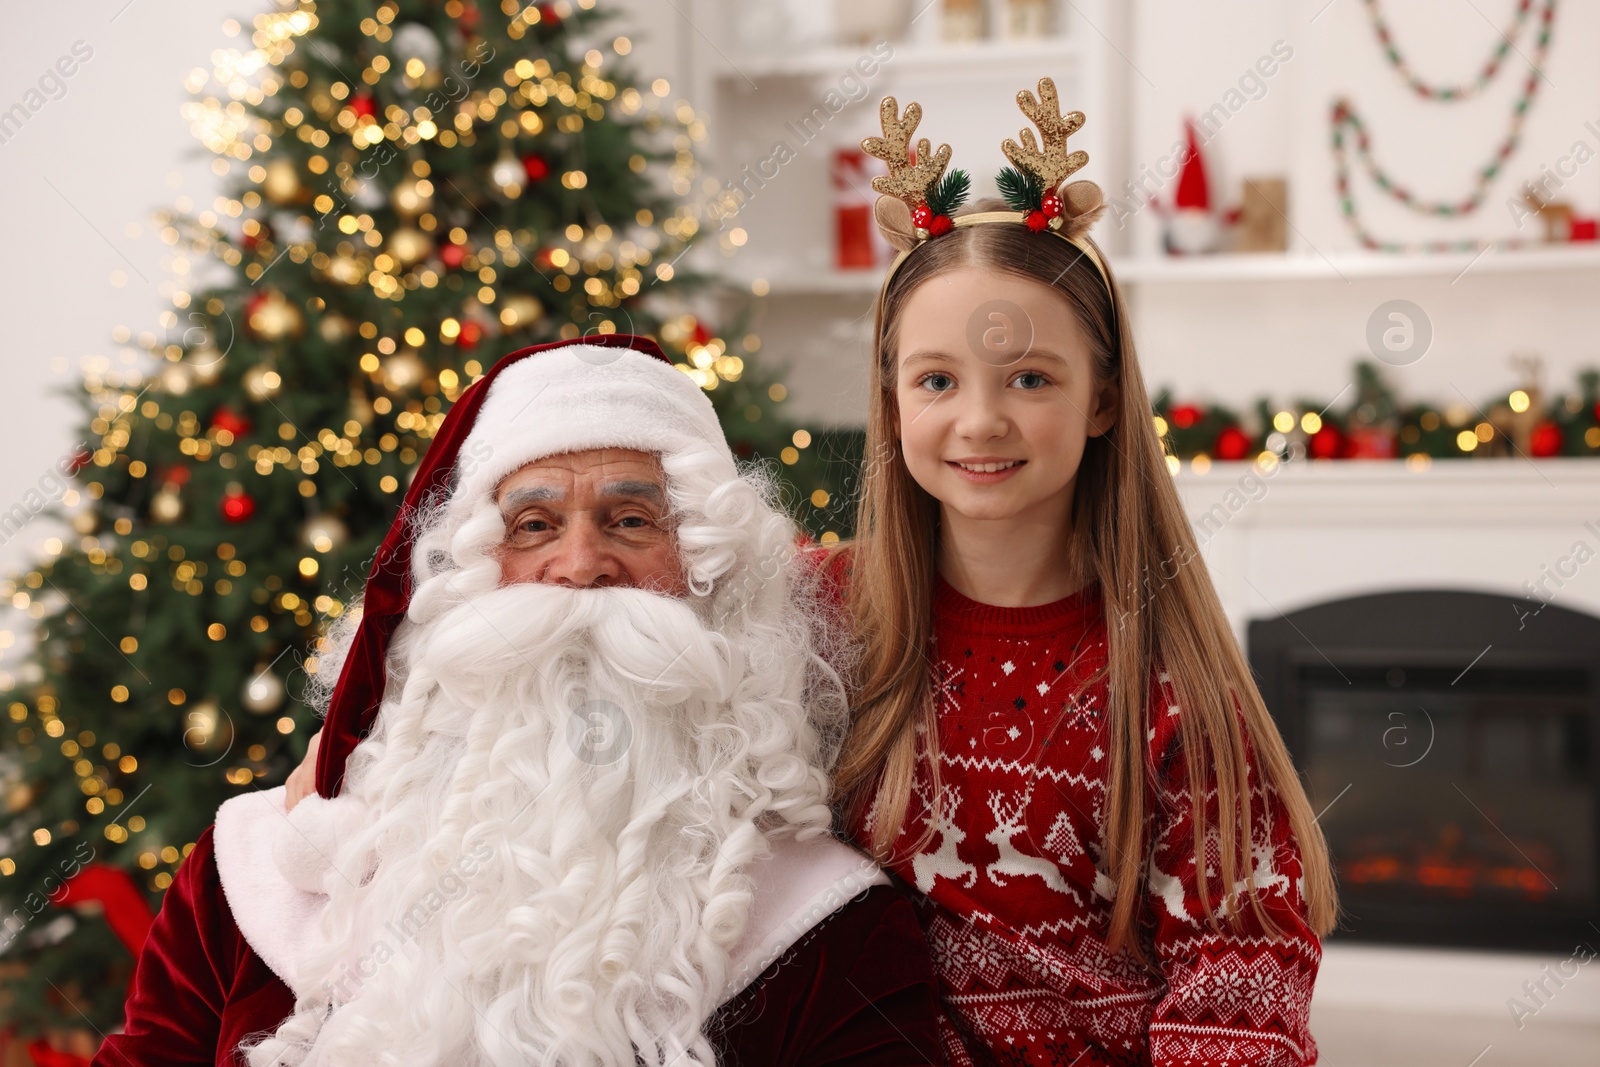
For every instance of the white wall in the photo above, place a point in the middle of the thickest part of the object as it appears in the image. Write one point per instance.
(78, 181)
(1233, 340)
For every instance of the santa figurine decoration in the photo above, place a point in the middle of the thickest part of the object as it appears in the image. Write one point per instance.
(1192, 228)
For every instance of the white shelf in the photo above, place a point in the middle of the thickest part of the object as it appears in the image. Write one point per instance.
(1265, 266)
(997, 57)
(1342, 266)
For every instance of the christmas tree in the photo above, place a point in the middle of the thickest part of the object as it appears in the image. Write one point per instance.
(411, 190)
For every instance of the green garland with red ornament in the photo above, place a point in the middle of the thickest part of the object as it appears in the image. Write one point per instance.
(1376, 424)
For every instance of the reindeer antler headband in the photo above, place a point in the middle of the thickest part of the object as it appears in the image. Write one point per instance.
(920, 199)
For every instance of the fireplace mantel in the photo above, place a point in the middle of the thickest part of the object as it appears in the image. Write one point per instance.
(1310, 531)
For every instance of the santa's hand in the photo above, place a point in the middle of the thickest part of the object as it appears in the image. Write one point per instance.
(303, 779)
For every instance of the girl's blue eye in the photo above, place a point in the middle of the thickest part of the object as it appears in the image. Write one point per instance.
(1039, 381)
(936, 381)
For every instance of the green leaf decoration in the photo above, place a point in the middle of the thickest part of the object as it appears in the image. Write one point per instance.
(1023, 192)
(950, 193)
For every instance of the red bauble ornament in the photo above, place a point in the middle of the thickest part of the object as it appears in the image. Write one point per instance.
(452, 254)
(921, 216)
(1184, 416)
(1232, 443)
(225, 418)
(700, 335)
(548, 17)
(471, 334)
(1051, 205)
(468, 21)
(1036, 221)
(535, 167)
(177, 474)
(363, 105)
(1327, 443)
(238, 506)
(1546, 439)
(940, 224)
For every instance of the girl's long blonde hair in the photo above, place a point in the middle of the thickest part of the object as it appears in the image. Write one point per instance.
(1160, 608)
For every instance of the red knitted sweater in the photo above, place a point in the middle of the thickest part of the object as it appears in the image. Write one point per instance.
(1015, 898)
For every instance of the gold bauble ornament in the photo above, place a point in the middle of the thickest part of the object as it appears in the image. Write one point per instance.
(520, 311)
(19, 796)
(346, 269)
(334, 328)
(281, 185)
(264, 691)
(262, 382)
(166, 505)
(176, 378)
(412, 197)
(361, 407)
(205, 362)
(409, 245)
(402, 371)
(206, 728)
(273, 318)
(323, 533)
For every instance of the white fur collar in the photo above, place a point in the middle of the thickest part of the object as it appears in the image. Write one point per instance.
(796, 886)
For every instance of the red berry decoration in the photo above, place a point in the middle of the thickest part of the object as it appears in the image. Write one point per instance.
(536, 167)
(940, 224)
(1232, 443)
(921, 216)
(238, 505)
(1036, 221)
(1051, 205)
(363, 105)
(225, 418)
(1546, 439)
(1184, 416)
(452, 254)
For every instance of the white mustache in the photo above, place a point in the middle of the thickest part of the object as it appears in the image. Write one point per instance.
(513, 634)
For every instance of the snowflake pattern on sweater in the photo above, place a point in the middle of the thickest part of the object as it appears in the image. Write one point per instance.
(1016, 901)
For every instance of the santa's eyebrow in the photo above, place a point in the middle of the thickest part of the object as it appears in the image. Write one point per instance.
(647, 490)
(516, 498)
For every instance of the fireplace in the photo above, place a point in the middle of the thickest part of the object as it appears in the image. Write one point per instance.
(1449, 740)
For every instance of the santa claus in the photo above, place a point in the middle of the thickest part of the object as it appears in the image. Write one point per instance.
(572, 792)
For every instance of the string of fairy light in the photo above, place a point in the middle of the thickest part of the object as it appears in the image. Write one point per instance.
(608, 265)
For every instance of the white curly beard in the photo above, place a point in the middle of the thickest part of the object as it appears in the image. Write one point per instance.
(561, 804)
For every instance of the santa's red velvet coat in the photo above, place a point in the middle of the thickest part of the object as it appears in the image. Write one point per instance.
(857, 990)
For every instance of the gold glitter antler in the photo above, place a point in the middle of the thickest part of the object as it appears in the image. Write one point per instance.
(905, 181)
(1052, 164)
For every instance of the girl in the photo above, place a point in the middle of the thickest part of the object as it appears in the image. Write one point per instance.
(1056, 738)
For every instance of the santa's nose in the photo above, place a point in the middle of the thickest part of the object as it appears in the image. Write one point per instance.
(582, 560)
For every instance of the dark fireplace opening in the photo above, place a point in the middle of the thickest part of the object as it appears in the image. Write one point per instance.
(1449, 741)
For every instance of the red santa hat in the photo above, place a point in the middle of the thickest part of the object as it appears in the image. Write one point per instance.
(1193, 192)
(608, 391)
